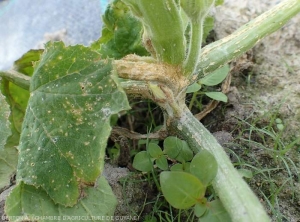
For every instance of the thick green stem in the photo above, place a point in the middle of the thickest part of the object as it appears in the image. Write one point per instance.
(224, 50)
(17, 78)
(163, 28)
(236, 196)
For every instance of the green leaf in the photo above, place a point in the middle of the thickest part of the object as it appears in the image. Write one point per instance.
(217, 96)
(67, 122)
(34, 203)
(9, 139)
(245, 173)
(204, 166)
(215, 77)
(185, 154)
(17, 98)
(177, 167)
(26, 62)
(154, 150)
(162, 163)
(199, 209)
(5, 130)
(215, 213)
(8, 165)
(182, 190)
(181, 167)
(142, 162)
(172, 146)
(195, 87)
(121, 33)
(280, 126)
(186, 167)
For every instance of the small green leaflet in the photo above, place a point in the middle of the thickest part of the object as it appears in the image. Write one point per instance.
(67, 121)
(204, 166)
(215, 77)
(182, 190)
(34, 203)
(217, 96)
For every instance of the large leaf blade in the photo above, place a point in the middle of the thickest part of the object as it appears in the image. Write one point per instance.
(67, 122)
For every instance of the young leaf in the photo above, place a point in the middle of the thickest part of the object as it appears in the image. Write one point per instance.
(121, 33)
(5, 131)
(199, 209)
(215, 77)
(195, 87)
(182, 190)
(181, 167)
(177, 167)
(154, 150)
(172, 146)
(185, 154)
(204, 166)
(28, 201)
(215, 213)
(217, 96)
(162, 163)
(142, 162)
(67, 122)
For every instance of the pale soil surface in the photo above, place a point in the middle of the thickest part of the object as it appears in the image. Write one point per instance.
(276, 67)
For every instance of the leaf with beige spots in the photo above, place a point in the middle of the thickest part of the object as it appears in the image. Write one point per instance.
(67, 121)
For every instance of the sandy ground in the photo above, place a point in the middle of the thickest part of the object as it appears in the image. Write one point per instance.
(276, 71)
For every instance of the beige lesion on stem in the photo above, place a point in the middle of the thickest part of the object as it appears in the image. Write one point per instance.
(147, 69)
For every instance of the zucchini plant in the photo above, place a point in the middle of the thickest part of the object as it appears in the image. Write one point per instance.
(56, 106)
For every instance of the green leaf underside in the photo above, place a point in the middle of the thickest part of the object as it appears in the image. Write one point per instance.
(67, 122)
(34, 203)
(5, 131)
(182, 190)
(8, 165)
